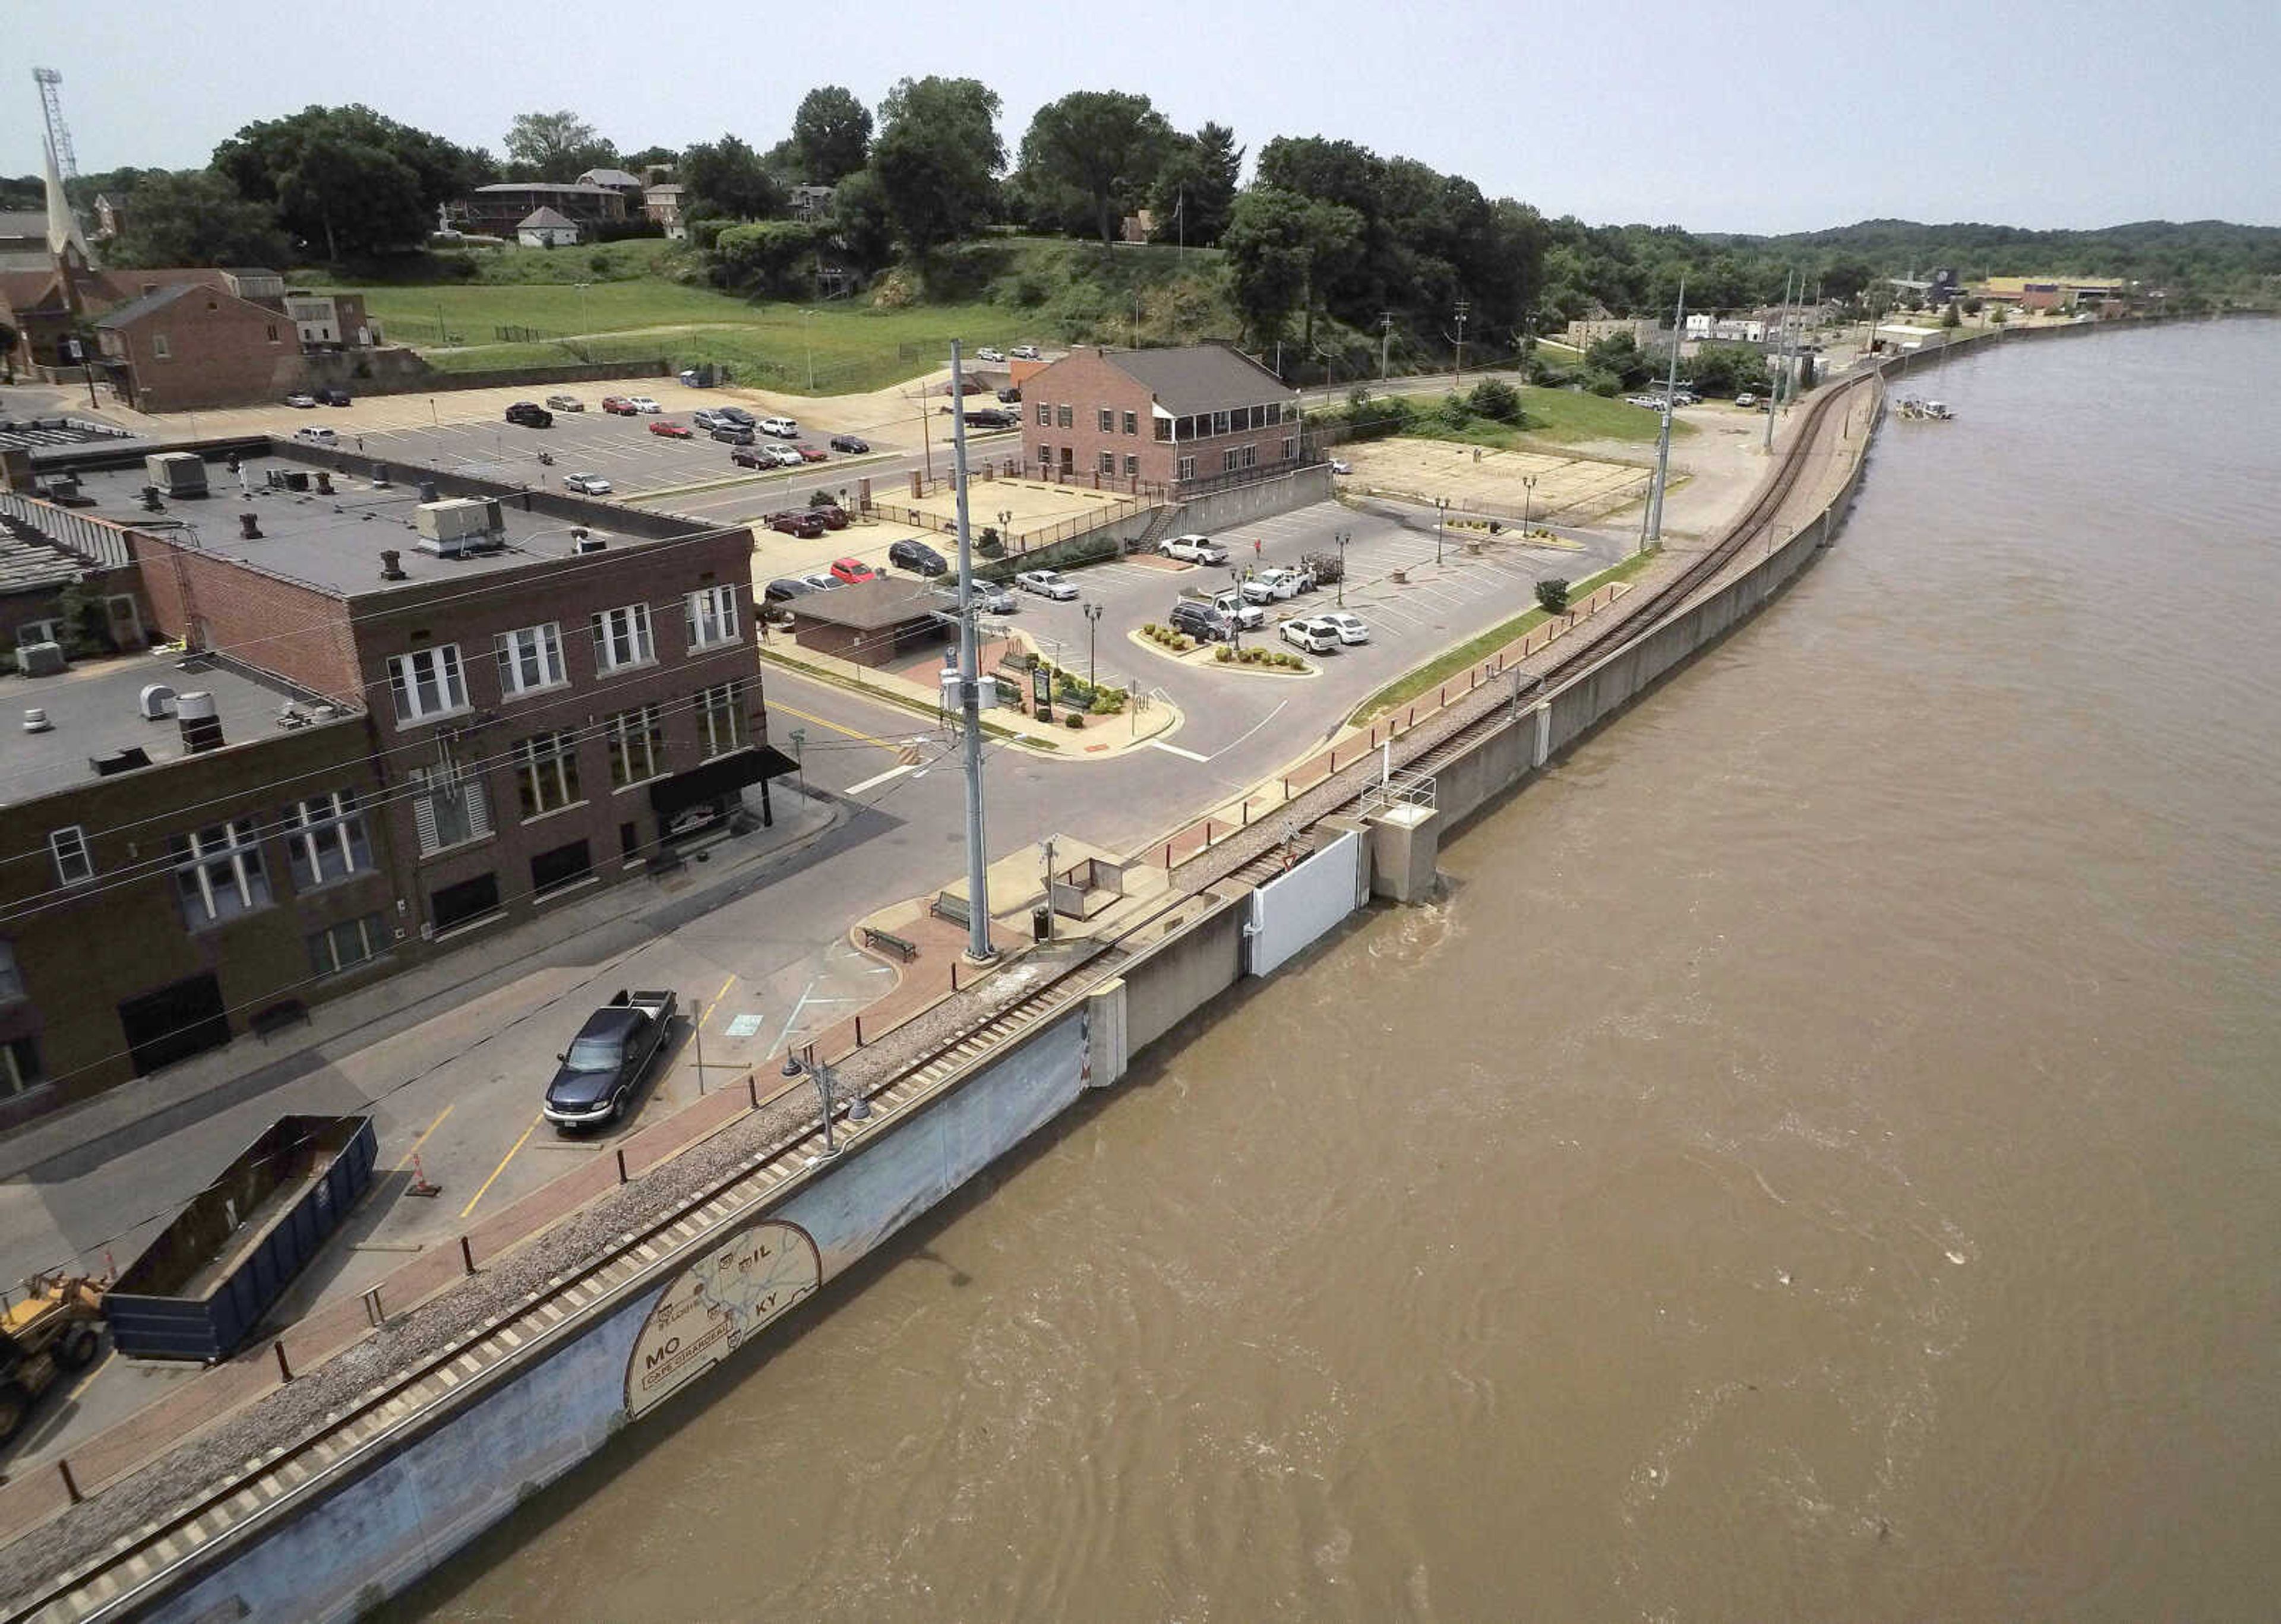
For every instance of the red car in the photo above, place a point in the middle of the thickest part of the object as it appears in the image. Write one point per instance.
(797, 521)
(809, 453)
(834, 517)
(617, 405)
(672, 431)
(853, 573)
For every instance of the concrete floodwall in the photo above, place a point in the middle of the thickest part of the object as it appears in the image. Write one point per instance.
(1174, 980)
(1291, 912)
(1263, 499)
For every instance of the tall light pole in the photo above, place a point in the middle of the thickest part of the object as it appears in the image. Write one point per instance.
(1385, 343)
(1663, 440)
(584, 324)
(1463, 306)
(1343, 538)
(1527, 499)
(979, 950)
(808, 341)
(1441, 510)
(1092, 624)
(1777, 349)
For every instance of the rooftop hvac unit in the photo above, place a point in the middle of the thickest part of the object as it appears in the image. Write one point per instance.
(457, 526)
(588, 544)
(177, 472)
(157, 702)
(40, 659)
(195, 714)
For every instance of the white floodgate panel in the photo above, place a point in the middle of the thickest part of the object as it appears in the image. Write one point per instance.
(1293, 910)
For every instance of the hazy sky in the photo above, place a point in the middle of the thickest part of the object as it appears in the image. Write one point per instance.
(1769, 117)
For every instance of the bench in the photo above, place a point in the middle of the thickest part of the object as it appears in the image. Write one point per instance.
(888, 942)
(277, 1017)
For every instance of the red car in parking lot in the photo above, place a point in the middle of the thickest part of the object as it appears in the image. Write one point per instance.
(617, 405)
(671, 431)
(853, 571)
(834, 517)
(797, 521)
(810, 453)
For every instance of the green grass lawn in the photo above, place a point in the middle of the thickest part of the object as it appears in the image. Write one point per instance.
(1439, 670)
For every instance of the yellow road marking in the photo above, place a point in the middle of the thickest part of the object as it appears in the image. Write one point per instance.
(717, 997)
(422, 1139)
(501, 1168)
(885, 744)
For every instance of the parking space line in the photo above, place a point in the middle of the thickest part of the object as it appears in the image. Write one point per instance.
(501, 1168)
(888, 777)
(422, 1139)
(1158, 743)
(868, 739)
(717, 997)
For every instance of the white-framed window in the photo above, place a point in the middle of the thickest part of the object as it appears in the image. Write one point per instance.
(1251, 456)
(1290, 450)
(636, 740)
(325, 839)
(1231, 459)
(1065, 417)
(347, 945)
(217, 872)
(75, 860)
(1131, 464)
(1108, 462)
(1220, 422)
(622, 638)
(530, 659)
(720, 721)
(712, 613)
(428, 682)
(158, 347)
(1045, 415)
(12, 975)
(1163, 428)
(40, 632)
(1132, 422)
(1186, 469)
(546, 772)
(1107, 421)
(20, 1066)
(448, 810)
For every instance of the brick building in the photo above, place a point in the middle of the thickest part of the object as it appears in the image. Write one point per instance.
(188, 347)
(1185, 419)
(495, 211)
(482, 703)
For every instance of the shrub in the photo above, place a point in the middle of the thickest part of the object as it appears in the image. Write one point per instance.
(1552, 593)
(1105, 704)
(1224, 655)
(1599, 381)
(1454, 412)
(1495, 399)
(1075, 719)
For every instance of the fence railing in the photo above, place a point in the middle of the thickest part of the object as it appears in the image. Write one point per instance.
(98, 541)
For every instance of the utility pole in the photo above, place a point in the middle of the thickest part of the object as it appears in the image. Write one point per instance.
(1663, 439)
(1781, 337)
(1343, 538)
(1463, 306)
(979, 950)
(1385, 343)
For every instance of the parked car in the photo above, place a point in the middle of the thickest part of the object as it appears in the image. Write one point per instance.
(1011, 397)
(834, 516)
(1350, 629)
(319, 436)
(1256, 590)
(796, 522)
(333, 397)
(781, 591)
(733, 434)
(671, 430)
(1746, 400)
(783, 428)
(690, 377)
(1230, 603)
(737, 416)
(985, 353)
(605, 1061)
(643, 404)
(1024, 352)
(1313, 636)
(586, 484)
(1337, 467)
(750, 456)
(853, 571)
(531, 414)
(965, 386)
(822, 580)
(1193, 549)
(1201, 622)
(708, 419)
(993, 599)
(784, 456)
(565, 403)
(1047, 583)
(917, 556)
(618, 406)
(812, 453)
(850, 444)
(992, 417)
(306, 401)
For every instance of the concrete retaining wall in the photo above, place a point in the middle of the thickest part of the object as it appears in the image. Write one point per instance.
(1182, 974)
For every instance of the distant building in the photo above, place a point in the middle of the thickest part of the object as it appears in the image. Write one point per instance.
(330, 320)
(2053, 292)
(1188, 418)
(497, 210)
(663, 203)
(1585, 332)
(812, 203)
(1904, 337)
(618, 181)
(1137, 226)
(187, 348)
(546, 229)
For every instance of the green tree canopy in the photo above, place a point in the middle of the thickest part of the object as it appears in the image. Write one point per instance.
(1284, 248)
(556, 146)
(938, 157)
(726, 177)
(861, 221)
(1106, 146)
(832, 133)
(345, 178)
(1195, 187)
(196, 217)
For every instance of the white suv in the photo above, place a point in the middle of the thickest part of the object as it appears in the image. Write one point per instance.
(1311, 635)
(783, 428)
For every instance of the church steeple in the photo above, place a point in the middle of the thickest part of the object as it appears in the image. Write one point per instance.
(63, 225)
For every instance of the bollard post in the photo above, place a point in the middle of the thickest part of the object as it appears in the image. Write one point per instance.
(859, 1030)
(752, 1086)
(954, 973)
(284, 1370)
(71, 1484)
(622, 1163)
(467, 1256)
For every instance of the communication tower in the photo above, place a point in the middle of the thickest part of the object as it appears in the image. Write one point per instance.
(51, 107)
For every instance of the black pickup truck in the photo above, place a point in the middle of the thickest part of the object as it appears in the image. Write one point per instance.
(605, 1061)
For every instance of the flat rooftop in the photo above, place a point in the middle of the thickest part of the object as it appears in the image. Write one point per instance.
(94, 712)
(334, 542)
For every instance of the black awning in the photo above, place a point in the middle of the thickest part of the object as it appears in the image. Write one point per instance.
(723, 775)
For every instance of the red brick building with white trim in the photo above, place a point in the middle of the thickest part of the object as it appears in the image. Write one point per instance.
(1184, 418)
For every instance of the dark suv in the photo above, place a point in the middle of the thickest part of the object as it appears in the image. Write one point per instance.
(531, 414)
(1201, 621)
(917, 557)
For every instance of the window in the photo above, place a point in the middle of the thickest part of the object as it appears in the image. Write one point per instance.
(448, 810)
(636, 740)
(1065, 417)
(1220, 422)
(1186, 469)
(1259, 417)
(1187, 428)
(217, 872)
(1131, 464)
(469, 900)
(712, 613)
(1230, 459)
(1132, 422)
(720, 721)
(74, 862)
(1163, 428)
(427, 682)
(1045, 415)
(325, 840)
(273, 332)
(1107, 421)
(622, 638)
(40, 632)
(1046, 457)
(1290, 450)
(1251, 456)
(20, 1066)
(546, 772)
(565, 865)
(11, 978)
(530, 659)
(347, 945)
(158, 347)
(1108, 462)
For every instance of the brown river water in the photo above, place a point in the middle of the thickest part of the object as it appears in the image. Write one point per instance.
(1821, 1160)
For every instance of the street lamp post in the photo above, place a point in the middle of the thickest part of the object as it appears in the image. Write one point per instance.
(583, 328)
(1441, 511)
(1091, 623)
(808, 340)
(1005, 527)
(1527, 500)
(1344, 536)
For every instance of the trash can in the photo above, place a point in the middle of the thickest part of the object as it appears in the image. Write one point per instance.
(1041, 923)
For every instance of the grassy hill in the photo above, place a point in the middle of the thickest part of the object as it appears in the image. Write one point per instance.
(473, 309)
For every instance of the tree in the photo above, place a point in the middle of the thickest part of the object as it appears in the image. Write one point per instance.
(345, 178)
(727, 177)
(1284, 249)
(1552, 593)
(556, 146)
(1495, 399)
(1619, 355)
(1195, 186)
(1728, 370)
(767, 256)
(1949, 316)
(650, 158)
(861, 223)
(831, 131)
(196, 217)
(1105, 145)
(937, 158)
